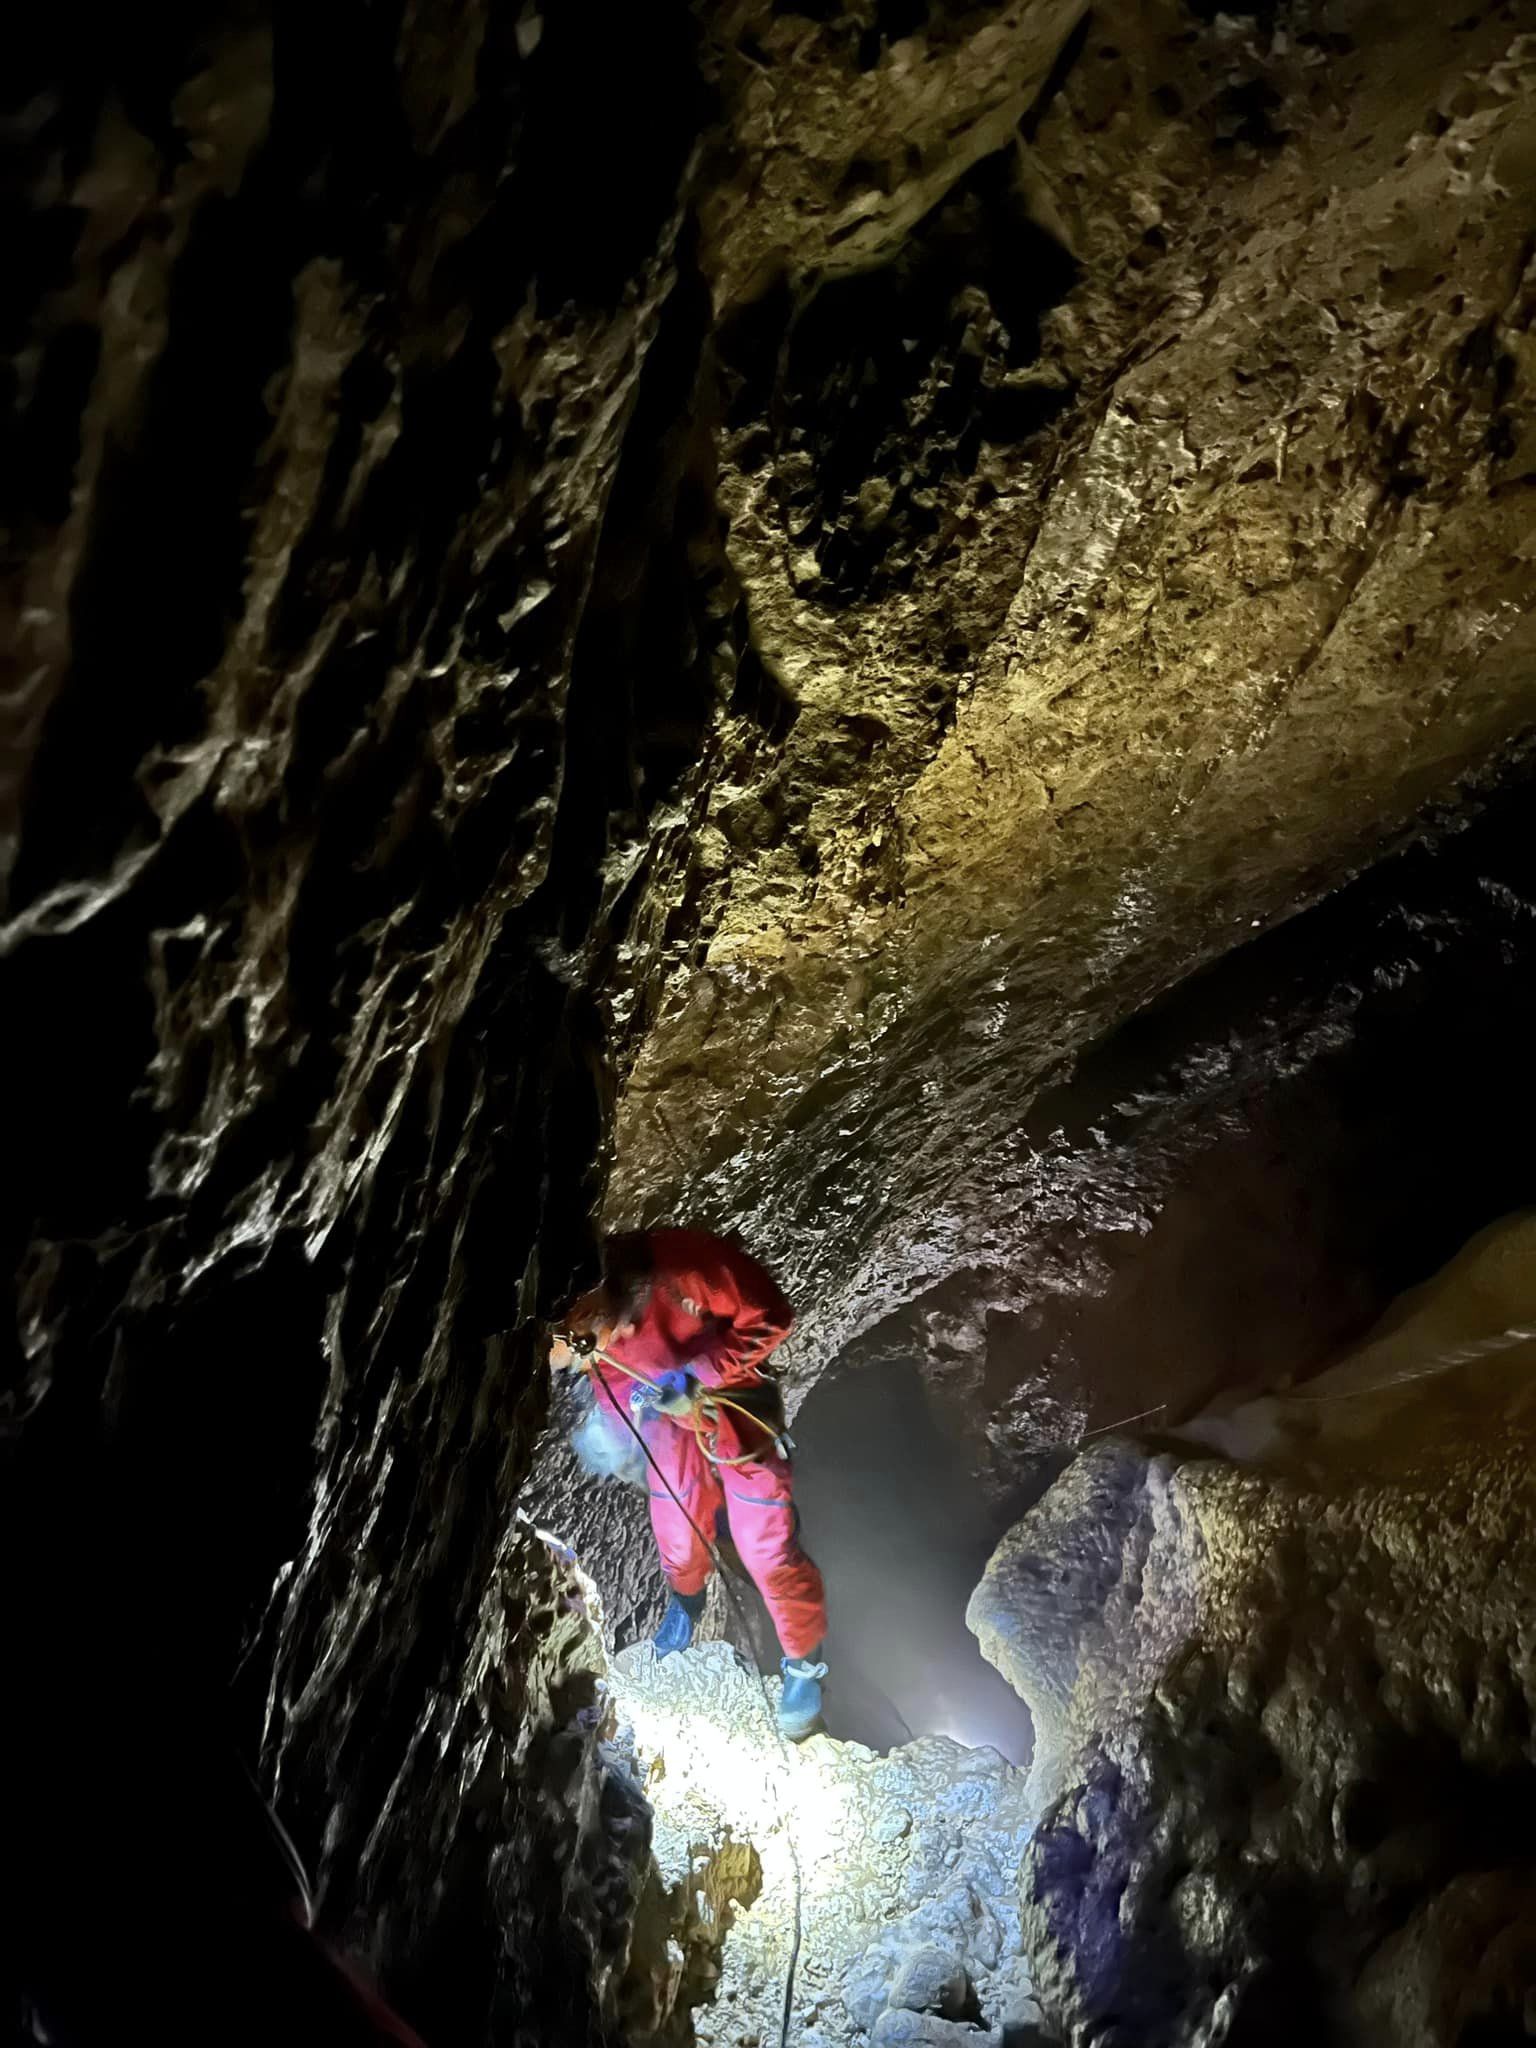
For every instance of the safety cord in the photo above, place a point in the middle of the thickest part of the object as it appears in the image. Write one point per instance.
(596, 1357)
(709, 1400)
(1443, 1361)
(284, 1844)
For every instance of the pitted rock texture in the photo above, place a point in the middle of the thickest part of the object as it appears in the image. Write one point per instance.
(1135, 547)
(1284, 1706)
(983, 507)
(844, 126)
(352, 407)
(907, 1863)
(1227, 1192)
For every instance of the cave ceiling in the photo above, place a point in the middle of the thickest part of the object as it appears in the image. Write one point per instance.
(1128, 476)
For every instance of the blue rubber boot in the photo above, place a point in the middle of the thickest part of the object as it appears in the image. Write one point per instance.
(800, 1701)
(677, 1624)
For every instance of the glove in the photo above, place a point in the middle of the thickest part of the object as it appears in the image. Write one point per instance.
(672, 1395)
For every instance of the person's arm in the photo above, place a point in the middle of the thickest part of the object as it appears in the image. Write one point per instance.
(748, 1315)
(674, 1395)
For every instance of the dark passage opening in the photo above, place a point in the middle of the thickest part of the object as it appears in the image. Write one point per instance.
(901, 1531)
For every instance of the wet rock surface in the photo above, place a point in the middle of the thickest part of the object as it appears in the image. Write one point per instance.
(720, 591)
(907, 1865)
(349, 409)
(1229, 1190)
(1132, 552)
(1283, 1704)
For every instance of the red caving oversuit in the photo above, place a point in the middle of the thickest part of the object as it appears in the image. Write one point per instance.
(715, 1312)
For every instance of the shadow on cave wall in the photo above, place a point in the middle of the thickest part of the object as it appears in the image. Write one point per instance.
(1237, 1182)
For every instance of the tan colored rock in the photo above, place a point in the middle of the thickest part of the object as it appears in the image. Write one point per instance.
(1284, 1708)
(1070, 712)
(839, 136)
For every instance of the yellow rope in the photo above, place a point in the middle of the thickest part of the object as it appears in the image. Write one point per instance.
(706, 1399)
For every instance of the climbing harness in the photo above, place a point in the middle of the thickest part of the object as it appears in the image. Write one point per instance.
(591, 1358)
(704, 1416)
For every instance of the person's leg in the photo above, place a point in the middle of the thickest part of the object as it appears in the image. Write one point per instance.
(685, 1559)
(761, 1503)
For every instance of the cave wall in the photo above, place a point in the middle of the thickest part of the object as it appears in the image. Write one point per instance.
(764, 574)
(1135, 549)
(1230, 1188)
(1283, 1698)
(351, 406)
(1125, 492)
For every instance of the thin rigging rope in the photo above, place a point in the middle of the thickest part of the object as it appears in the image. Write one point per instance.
(1443, 1361)
(1463, 1354)
(598, 1357)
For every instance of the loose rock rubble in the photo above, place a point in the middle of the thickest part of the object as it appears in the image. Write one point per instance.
(908, 1866)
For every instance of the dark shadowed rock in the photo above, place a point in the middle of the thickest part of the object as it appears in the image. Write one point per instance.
(353, 404)
(653, 613)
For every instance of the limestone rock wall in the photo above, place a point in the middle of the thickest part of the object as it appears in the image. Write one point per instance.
(352, 404)
(1283, 1700)
(755, 576)
(1227, 1191)
(1134, 547)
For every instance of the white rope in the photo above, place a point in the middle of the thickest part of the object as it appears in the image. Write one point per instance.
(1444, 1361)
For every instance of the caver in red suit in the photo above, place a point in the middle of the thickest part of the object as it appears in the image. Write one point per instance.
(691, 1313)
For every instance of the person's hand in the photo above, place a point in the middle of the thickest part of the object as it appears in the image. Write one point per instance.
(674, 1394)
(560, 1354)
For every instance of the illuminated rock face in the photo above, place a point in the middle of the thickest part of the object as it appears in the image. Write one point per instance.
(1284, 1705)
(716, 592)
(907, 1864)
(1131, 554)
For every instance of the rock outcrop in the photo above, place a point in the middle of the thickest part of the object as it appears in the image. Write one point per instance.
(1135, 549)
(905, 1866)
(716, 591)
(1284, 1700)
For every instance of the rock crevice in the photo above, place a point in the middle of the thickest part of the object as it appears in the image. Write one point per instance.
(738, 595)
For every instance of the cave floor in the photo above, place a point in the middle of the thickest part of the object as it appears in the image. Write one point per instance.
(895, 1857)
